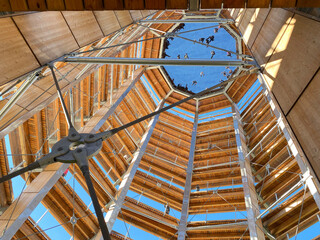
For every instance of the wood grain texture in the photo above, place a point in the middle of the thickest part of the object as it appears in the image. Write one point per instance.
(16, 57)
(301, 43)
(19, 5)
(134, 4)
(207, 4)
(151, 4)
(113, 4)
(83, 26)
(5, 6)
(283, 3)
(73, 5)
(233, 3)
(56, 5)
(304, 119)
(258, 4)
(135, 14)
(270, 34)
(93, 4)
(177, 4)
(37, 5)
(47, 34)
(124, 18)
(145, 13)
(108, 21)
(308, 3)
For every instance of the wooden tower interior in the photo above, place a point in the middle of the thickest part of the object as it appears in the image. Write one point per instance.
(240, 161)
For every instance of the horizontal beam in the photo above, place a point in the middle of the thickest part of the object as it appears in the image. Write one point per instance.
(155, 61)
(194, 20)
(219, 226)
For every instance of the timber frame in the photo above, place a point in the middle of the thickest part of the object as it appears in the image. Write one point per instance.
(229, 151)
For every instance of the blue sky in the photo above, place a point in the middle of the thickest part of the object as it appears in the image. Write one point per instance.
(212, 75)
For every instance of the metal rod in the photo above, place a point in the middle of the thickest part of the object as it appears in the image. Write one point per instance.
(64, 107)
(155, 61)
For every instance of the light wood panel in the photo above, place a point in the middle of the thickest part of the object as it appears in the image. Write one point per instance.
(107, 21)
(83, 26)
(136, 15)
(16, 57)
(47, 34)
(124, 18)
(294, 61)
(304, 119)
(270, 34)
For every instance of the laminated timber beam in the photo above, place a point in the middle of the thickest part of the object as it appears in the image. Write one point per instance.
(155, 61)
(250, 194)
(115, 208)
(40, 187)
(182, 229)
(186, 20)
(306, 170)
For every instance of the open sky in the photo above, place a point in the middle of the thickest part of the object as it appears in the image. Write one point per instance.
(212, 75)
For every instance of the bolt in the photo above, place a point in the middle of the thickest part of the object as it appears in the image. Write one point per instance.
(79, 150)
(73, 135)
(91, 136)
(60, 149)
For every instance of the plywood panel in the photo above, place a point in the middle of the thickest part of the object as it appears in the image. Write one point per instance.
(256, 23)
(5, 6)
(83, 26)
(47, 34)
(239, 16)
(108, 21)
(134, 4)
(210, 4)
(304, 119)
(124, 18)
(19, 5)
(136, 15)
(297, 59)
(234, 13)
(246, 20)
(177, 4)
(37, 5)
(113, 5)
(144, 13)
(72, 5)
(151, 4)
(16, 57)
(258, 4)
(270, 34)
(56, 5)
(283, 3)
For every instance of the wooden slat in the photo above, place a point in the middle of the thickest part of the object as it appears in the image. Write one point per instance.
(151, 4)
(283, 3)
(134, 4)
(83, 26)
(234, 3)
(5, 6)
(73, 5)
(308, 3)
(47, 34)
(177, 4)
(19, 5)
(258, 4)
(207, 4)
(93, 4)
(37, 5)
(56, 5)
(113, 4)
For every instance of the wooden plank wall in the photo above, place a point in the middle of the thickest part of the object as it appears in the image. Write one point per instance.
(287, 46)
(72, 5)
(29, 41)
